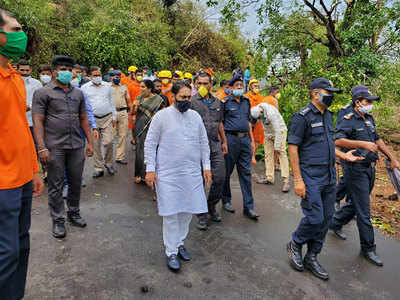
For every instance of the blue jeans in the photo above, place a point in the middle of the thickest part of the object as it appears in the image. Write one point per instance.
(15, 222)
(239, 155)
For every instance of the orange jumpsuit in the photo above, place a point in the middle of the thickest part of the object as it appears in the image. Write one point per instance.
(220, 94)
(258, 130)
(166, 90)
(134, 91)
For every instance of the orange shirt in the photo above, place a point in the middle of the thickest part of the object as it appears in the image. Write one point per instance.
(18, 159)
(258, 130)
(166, 90)
(133, 88)
(273, 101)
(220, 94)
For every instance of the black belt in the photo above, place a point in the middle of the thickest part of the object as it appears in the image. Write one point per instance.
(238, 133)
(362, 164)
(102, 117)
(122, 108)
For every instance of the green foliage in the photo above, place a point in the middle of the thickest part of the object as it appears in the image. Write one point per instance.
(126, 32)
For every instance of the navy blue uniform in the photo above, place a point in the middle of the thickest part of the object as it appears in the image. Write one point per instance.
(236, 124)
(359, 177)
(313, 133)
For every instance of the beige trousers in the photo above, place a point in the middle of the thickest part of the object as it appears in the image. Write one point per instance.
(106, 136)
(269, 158)
(121, 132)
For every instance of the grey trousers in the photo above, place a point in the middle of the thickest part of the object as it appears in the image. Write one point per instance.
(65, 163)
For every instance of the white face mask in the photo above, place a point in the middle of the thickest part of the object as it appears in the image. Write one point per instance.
(45, 78)
(97, 80)
(366, 109)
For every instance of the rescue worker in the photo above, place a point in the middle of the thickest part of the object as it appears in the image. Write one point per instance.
(312, 156)
(210, 111)
(121, 99)
(273, 96)
(356, 130)
(188, 77)
(165, 77)
(256, 98)
(241, 146)
(224, 90)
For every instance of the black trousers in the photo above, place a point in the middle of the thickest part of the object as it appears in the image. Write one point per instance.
(72, 161)
(15, 222)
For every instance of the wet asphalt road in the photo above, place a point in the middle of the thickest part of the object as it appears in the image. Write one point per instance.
(121, 251)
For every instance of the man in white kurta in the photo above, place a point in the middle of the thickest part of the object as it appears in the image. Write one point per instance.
(177, 150)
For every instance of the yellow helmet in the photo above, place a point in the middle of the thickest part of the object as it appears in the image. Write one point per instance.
(252, 81)
(165, 74)
(132, 69)
(188, 75)
(180, 73)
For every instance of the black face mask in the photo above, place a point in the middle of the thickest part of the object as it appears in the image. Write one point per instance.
(326, 99)
(158, 92)
(183, 106)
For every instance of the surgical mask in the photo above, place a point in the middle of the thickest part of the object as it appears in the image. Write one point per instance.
(165, 81)
(202, 91)
(97, 80)
(75, 82)
(326, 99)
(365, 109)
(139, 78)
(64, 77)
(79, 76)
(16, 44)
(149, 74)
(278, 96)
(182, 106)
(45, 78)
(256, 91)
(227, 91)
(116, 80)
(237, 93)
(158, 92)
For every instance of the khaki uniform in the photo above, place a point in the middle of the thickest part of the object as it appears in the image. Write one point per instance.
(120, 95)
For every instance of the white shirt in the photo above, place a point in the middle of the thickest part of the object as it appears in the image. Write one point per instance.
(177, 149)
(31, 85)
(100, 98)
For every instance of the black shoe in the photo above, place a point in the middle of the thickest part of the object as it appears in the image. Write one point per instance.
(311, 263)
(295, 256)
(250, 214)
(59, 231)
(121, 162)
(338, 233)
(202, 223)
(98, 174)
(214, 216)
(65, 191)
(110, 170)
(373, 258)
(183, 254)
(75, 219)
(228, 207)
(173, 263)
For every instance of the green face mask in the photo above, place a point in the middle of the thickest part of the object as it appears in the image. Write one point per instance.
(16, 44)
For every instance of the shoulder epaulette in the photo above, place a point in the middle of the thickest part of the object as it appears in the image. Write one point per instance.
(348, 116)
(304, 111)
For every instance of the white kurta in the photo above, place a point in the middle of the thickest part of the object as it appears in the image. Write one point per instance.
(177, 149)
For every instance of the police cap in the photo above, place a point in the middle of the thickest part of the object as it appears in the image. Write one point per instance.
(323, 83)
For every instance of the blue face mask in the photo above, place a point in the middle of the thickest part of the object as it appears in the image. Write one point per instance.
(64, 77)
(227, 91)
(237, 93)
(116, 80)
(182, 106)
(326, 99)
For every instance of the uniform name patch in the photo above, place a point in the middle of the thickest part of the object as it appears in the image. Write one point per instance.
(317, 125)
(359, 129)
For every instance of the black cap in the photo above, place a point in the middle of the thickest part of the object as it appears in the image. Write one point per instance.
(234, 79)
(61, 60)
(364, 94)
(115, 73)
(323, 83)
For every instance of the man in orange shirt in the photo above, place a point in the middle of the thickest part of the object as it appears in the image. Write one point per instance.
(224, 90)
(19, 177)
(165, 77)
(273, 97)
(256, 98)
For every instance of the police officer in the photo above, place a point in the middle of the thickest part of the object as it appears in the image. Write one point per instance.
(239, 134)
(356, 130)
(312, 156)
(210, 110)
